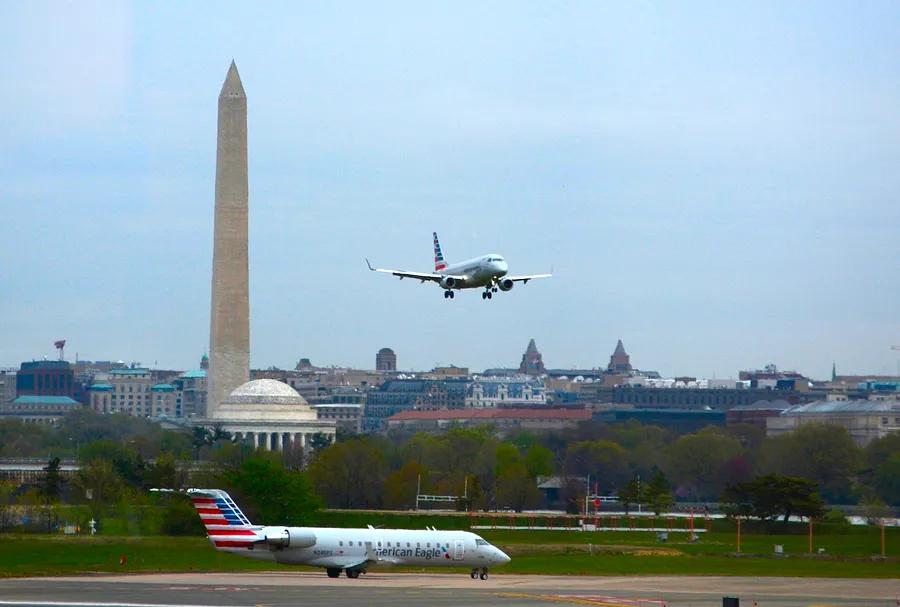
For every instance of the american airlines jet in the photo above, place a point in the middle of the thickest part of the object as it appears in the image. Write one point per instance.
(349, 550)
(487, 271)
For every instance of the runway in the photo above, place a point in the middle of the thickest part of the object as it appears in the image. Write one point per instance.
(385, 589)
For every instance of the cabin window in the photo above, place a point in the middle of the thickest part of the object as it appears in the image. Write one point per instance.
(350, 543)
(428, 545)
(341, 543)
(379, 544)
(407, 544)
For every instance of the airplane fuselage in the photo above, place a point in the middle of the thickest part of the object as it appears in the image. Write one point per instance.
(342, 548)
(482, 271)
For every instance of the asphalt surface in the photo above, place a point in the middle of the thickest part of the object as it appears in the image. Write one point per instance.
(392, 589)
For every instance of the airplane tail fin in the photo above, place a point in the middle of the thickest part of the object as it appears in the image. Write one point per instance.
(439, 263)
(226, 525)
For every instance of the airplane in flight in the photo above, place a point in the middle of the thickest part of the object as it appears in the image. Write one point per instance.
(349, 550)
(487, 271)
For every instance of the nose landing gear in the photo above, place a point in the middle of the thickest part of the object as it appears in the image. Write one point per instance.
(475, 574)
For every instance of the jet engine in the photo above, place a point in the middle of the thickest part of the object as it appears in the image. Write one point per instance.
(282, 537)
(448, 282)
(505, 284)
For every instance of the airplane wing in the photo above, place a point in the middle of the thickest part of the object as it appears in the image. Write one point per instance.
(422, 276)
(525, 279)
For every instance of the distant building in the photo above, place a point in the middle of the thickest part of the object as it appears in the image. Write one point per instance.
(34, 409)
(770, 377)
(396, 395)
(532, 364)
(385, 360)
(191, 389)
(125, 391)
(504, 420)
(164, 402)
(346, 416)
(865, 420)
(756, 413)
(45, 378)
(493, 392)
(448, 371)
(681, 421)
(7, 385)
(619, 362)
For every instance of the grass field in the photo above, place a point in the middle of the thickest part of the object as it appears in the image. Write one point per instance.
(548, 552)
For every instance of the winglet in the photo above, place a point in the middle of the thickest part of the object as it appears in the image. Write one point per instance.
(370, 265)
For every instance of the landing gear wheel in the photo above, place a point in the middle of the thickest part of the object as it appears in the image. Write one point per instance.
(489, 295)
(494, 289)
(483, 574)
(333, 572)
(474, 574)
(452, 294)
(484, 295)
(352, 573)
(446, 294)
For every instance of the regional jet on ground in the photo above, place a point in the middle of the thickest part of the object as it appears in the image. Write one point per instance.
(349, 550)
(488, 271)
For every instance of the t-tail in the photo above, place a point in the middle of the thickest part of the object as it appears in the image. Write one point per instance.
(227, 527)
(439, 264)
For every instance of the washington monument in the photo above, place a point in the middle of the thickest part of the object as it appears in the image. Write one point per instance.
(229, 335)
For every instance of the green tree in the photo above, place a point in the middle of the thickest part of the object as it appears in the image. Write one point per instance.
(696, 461)
(165, 473)
(630, 494)
(400, 486)
(274, 495)
(767, 497)
(50, 488)
(605, 461)
(516, 489)
(823, 453)
(657, 494)
(100, 482)
(886, 480)
(7, 509)
(539, 461)
(350, 474)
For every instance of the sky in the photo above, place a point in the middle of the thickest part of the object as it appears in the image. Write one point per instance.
(714, 183)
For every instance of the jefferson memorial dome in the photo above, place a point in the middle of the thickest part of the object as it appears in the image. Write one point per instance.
(270, 414)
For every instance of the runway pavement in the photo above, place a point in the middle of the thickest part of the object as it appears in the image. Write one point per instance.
(393, 589)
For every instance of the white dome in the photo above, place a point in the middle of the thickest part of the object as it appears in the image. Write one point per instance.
(265, 391)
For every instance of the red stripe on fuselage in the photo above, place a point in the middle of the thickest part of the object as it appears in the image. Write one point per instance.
(231, 544)
(230, 532)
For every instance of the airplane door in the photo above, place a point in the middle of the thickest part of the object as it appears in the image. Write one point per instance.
(459, 550)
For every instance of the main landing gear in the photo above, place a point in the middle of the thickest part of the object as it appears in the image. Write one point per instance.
(487, 294)
(448, 294)
(336, 572)
(476, 574)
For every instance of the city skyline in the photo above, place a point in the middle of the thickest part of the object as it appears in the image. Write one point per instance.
(717, 190)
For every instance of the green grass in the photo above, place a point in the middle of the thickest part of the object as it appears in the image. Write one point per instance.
(547, 552)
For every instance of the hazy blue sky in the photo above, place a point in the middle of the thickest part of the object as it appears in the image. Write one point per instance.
(718, 184)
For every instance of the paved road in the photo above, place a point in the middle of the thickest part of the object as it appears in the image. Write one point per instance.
(393, 589)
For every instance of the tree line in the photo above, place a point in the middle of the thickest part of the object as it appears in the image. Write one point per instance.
(122, 457)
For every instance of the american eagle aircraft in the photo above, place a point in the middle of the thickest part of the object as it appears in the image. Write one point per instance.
(349, 550)
(487, 271)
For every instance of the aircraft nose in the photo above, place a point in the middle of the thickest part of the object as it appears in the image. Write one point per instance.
(501, 557)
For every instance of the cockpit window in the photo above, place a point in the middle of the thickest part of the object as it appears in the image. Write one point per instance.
(481, 542)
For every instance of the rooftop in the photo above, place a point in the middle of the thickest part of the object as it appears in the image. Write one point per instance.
(46, 400)
(850, 407)
(490, 414)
